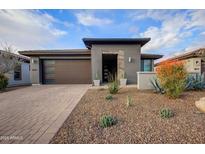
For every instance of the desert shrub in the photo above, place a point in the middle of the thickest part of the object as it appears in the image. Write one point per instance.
(3, 81)
(157, 87)
(195, 83)
(107, 121)
(166, 113)
(129, 101)
(109, 97)
(172, 77)
(113, 87)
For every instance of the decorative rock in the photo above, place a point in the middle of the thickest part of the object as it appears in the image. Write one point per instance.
(201, 104)
(202, 99)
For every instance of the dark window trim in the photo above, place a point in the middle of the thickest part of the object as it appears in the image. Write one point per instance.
(151, 65)
(18, 69)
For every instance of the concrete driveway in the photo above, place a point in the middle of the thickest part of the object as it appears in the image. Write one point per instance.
(34, 114)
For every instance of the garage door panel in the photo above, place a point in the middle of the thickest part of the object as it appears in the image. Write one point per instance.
(72, 71)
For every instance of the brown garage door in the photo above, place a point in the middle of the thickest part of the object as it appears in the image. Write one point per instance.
(67, 71)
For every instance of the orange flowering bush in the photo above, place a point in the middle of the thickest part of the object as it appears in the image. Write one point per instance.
(172, 77)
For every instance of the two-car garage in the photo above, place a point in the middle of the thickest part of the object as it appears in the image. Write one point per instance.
(72, 71)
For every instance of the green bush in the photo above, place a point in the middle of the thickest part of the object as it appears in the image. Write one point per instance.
(113, 87)
(172, 77)
(166, 113)
(107, 121)
(3, 81)
(109, 97)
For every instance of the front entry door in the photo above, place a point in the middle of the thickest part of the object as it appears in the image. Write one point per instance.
(109, 67)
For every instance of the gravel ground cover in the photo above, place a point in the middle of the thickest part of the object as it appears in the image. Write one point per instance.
(138, 123)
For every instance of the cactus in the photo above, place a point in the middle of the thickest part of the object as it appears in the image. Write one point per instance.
(109, 97)
(166, 113)
(107, 121)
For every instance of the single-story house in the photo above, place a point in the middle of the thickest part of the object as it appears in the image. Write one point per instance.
(102, 56)
(194, 61)
(20, 75)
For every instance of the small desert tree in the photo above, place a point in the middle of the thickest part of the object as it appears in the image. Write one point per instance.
(8, 60)
(172, 77)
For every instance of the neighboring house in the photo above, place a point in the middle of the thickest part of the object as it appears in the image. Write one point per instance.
(194, 61)
(103, 56)
(20, 75)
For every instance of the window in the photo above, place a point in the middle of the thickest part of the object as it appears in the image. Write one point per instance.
(146, 65)
(17, 73)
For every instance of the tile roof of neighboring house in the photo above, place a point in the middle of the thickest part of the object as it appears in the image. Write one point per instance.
(196, 53)
(90, 41)
(24, 58)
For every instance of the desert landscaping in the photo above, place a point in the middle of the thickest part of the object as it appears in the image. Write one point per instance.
(140, 122)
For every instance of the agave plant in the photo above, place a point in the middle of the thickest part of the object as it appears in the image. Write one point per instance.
(166, 113)
(195, 82)
(157, 86)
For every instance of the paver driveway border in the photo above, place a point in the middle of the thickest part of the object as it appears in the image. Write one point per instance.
(40, 132)
(52, 130)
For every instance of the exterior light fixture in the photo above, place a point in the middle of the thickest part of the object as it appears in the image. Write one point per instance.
(129, 59)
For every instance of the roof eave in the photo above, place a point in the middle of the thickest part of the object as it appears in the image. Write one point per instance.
(54, 52)
(90, 41)
(151, 56)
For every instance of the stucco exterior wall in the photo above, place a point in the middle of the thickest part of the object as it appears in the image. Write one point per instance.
(130, 68)
(25, 76)
(35, 70)
(193, 65)
(144, 80)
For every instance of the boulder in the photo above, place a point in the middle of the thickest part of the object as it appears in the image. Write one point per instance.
(201, 104)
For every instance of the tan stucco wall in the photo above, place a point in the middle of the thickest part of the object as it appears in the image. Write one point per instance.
(125, 51)
(144, 80)
(34, 70)
(193, 65)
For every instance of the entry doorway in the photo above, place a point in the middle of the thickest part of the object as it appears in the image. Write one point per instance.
(109, 67)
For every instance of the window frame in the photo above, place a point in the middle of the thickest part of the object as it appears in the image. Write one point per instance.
(18, 69)
(143, 65)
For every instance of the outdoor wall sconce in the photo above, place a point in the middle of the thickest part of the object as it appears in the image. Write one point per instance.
(129, 59)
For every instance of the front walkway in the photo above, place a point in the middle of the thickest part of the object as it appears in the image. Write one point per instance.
(34, 114)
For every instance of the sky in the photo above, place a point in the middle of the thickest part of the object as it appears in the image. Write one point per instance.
(172, 32)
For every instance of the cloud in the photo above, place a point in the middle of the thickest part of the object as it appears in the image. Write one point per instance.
(28, 29)
(197, 19)
(89, 19)
(174, 27)
(202, 33)
(159, 15)
(198, 43)
(169, 34)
